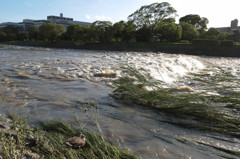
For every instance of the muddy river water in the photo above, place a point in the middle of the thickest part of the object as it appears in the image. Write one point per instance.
(51, 84)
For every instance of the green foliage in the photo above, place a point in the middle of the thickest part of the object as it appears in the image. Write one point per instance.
(51, 31)
(124, 31)
(11, 37)
(206, 42)
(22, 36)
(70, 31)
(11, 29)
(235, 36)
(189, 32)
(167, 30)
(228, 43)
(81, 33)
(33, 32)
(103, 31)
(184, 41)
(212, 33)
(3, 36)
(118, 30)
(179, 33)
(223, 36)
(198, 22)
(50, 143)
(143, 90)
(143, 34)
(148, 16)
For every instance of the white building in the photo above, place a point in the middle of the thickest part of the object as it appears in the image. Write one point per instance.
(57, 19)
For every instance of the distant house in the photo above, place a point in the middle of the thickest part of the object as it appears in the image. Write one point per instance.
(233, 26)
(57, 19)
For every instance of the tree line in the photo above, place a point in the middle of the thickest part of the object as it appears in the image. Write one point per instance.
(151, 23)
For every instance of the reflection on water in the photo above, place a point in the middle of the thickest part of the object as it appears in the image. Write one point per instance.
(45, 84)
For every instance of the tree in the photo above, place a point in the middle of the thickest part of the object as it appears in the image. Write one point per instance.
(124, 31)
(70, 31)
(12, 29)
(22, 36)
(129, 31)
(148, 16)
(3, 36)
(103, 30)
(195, 20)
(33, 32)
(179, 33)
(212, 33)
(11, 37)
(82, 34)
(118, 30)
(51, 31)
(60, 30)
(166, 30)
(235, 36)
(142, 34)
(223, 35)
(189, 32)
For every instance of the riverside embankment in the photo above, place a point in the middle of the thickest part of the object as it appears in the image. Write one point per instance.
(172, 48)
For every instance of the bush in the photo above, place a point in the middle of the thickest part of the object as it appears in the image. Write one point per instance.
(184, 41)
(206, 42)
(228, 43)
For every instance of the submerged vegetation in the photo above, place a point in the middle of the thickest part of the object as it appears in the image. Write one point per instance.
(49, 142)
(213, 112)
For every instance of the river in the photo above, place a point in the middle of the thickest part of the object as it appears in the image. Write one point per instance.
(43, 84)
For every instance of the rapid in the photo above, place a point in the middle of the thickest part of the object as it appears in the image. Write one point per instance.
(42, 84)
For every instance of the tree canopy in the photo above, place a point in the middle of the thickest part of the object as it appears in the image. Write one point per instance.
(195, 20)
(189, 32)
(149, 15)
(51, 31)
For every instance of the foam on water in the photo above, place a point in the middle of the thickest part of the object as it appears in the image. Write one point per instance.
(49, 84)
(164, 67)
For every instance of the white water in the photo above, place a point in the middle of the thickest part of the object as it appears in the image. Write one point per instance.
(45, 84)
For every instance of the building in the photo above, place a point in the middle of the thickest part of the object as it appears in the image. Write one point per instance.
(233, 26)
(65, 21)
(8, 23)
(29, 22)
(57, 19)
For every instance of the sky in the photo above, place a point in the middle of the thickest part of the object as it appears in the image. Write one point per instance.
(219, 12)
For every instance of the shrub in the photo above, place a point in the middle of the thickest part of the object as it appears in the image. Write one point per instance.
(228, 43)
(206, 42)
(184, 41)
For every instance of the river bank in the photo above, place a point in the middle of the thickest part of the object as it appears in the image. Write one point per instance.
(19, 140)
(171, 48)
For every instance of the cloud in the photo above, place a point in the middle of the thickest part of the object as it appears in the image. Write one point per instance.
(101, 18)
(98, 17)
(88, 17)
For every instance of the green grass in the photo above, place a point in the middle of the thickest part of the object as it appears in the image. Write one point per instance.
(49, 142)
(202, 107)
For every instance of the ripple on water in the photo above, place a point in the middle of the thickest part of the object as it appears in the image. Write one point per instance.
(42, 92)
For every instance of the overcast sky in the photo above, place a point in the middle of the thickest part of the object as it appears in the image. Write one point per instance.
(219, 12)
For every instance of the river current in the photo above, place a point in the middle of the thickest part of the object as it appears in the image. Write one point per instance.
(43, 84)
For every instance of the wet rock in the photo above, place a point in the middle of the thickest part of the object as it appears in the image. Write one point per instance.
(106, 74)
(29, 154)
(4, 126)
(182, 89)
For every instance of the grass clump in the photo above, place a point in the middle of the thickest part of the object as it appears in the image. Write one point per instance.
(49, 142)
(143, 90)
